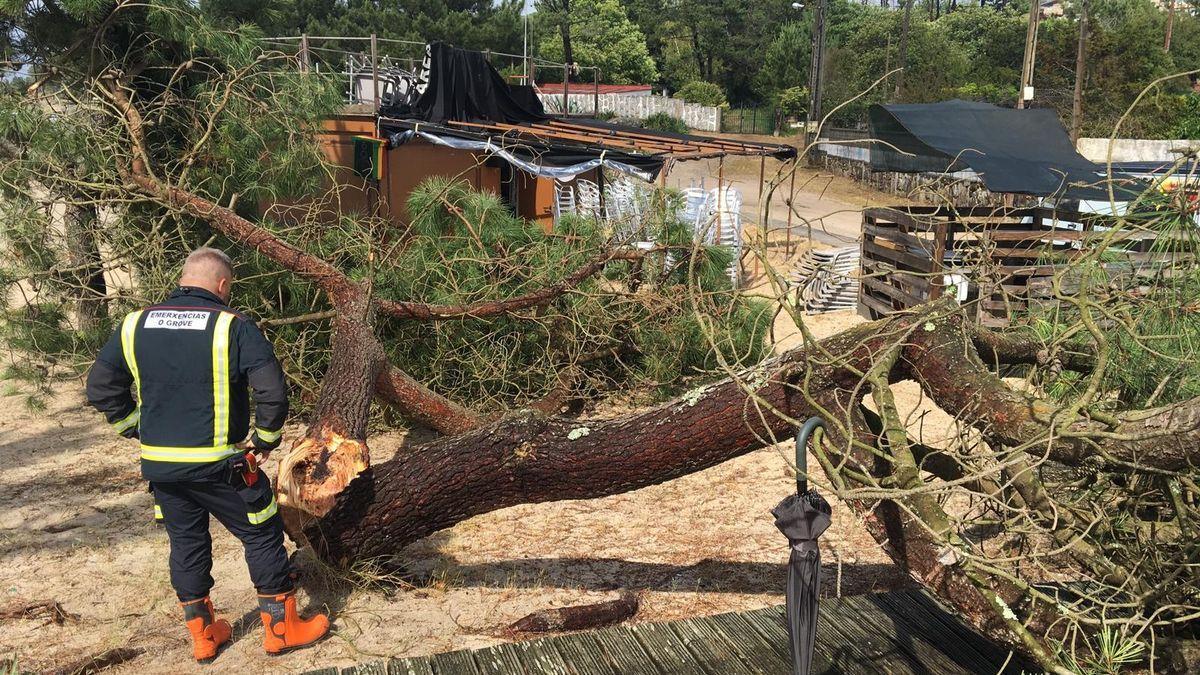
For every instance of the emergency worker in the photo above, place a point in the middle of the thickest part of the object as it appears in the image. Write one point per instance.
(176, 376)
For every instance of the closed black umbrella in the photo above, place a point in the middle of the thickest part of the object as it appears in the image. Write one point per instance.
(802, 518)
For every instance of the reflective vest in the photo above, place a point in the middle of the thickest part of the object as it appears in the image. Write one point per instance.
(190, 361)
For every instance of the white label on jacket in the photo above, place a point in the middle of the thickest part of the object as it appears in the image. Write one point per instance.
(176, 320)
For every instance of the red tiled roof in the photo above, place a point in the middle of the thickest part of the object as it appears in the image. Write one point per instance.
(587, 88)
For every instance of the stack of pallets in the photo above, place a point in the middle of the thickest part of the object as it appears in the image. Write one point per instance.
(826, 280)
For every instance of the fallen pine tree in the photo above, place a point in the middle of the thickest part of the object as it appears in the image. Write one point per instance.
(1046, 520)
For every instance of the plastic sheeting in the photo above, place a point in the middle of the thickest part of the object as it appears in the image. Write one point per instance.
(546, 162)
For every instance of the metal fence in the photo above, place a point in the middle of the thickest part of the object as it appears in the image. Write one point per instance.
(756, 120)
(374, 68)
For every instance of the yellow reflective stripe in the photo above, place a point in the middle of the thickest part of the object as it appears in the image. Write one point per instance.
(220, 365)
(158, 512)
(130, 421)
(268, 436)
(264, 515)
(128, 330)
(159, 453)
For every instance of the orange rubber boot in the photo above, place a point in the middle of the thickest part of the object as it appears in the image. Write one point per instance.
(208, 632)
(283, 627)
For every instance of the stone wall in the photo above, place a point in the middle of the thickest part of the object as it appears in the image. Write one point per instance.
(703, 118)
(962, 188)
(1134, 149)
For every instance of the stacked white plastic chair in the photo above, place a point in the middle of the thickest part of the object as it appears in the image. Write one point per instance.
(725, 225)
(825, 279)
(623, 207)
(564, 201)
(588, 198)
(695, 208)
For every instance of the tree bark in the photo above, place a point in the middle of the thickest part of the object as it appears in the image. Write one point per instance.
(528, 457)
(565, 30)
(334, 450)
(1167, 437)
(83, 254)
(1170, 25)
(578, 617)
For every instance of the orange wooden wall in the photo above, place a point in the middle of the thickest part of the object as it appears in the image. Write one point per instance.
(405, 167)
(413, 162)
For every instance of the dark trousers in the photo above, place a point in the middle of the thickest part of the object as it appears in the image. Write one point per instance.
(247, 512)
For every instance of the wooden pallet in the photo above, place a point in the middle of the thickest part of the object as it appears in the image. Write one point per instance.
(1008, 256)
(891, 633)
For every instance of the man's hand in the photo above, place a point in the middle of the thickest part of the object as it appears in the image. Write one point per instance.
(248, 446)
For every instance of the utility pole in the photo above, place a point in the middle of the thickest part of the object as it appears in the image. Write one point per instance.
(815, 79)
(904, 26)
(1030, 54)
(1080, 63)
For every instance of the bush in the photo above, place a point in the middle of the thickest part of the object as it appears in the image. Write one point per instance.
(793, 101)
(702, 93)
(665, 122)
(1186, 122)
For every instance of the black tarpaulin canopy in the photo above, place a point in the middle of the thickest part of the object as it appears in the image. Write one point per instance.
(1013, 151)
(461, 85)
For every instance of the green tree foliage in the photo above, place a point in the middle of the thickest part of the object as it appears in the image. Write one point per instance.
(601, 36)
(957, 50)
(994, 42)
(1187, 117)
(702, 93)
(870, 49)
(65, 147)
(717, 41)
(473, 24)
(787, 59)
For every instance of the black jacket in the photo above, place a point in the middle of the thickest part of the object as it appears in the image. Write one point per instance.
(191, 361)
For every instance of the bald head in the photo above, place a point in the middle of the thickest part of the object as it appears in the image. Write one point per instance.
(210, 269)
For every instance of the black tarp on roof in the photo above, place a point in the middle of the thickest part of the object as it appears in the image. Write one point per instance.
(1015, 151)
(462, 86)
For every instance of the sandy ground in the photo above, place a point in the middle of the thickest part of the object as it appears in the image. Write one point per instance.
(76, 527)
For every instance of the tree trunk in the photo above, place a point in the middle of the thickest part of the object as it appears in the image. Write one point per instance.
(530, 458)
(697, 53)
(904, 26)
(1170, 25)
(334, 450)
(83, 255)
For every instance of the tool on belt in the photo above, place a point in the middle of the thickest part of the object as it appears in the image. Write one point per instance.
(245, 466)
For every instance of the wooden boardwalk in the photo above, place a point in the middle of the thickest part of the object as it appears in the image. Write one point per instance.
(887, 634)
